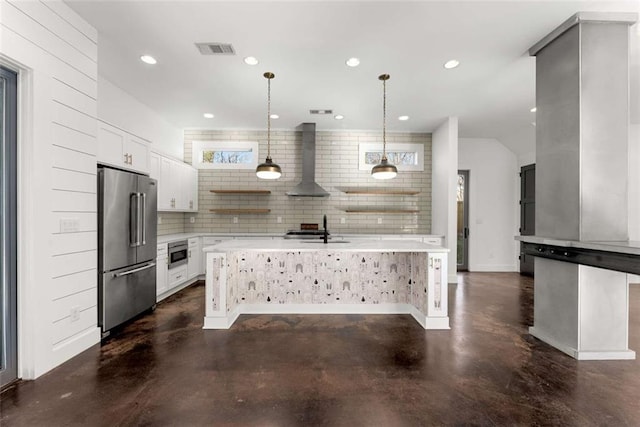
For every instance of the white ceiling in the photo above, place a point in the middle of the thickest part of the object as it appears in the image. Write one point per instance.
(306, 45)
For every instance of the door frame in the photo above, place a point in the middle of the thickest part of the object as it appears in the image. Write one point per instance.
(465, 222)
(9, 222)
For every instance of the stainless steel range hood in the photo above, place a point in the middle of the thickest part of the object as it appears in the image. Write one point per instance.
(308, 186)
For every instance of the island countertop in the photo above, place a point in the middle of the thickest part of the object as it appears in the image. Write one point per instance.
(352, 245)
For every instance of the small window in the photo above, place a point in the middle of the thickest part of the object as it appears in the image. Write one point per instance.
(406, 157)
(225, 154)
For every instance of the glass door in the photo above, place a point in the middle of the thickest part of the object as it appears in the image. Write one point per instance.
(8, 222)
(462, 198)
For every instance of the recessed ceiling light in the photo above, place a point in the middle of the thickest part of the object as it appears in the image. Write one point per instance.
(148, 59)
(274, 116)
(403, 118)
(451, 64)
(534, 109)
(353, 62)
(251, 60)
(208, 116)
(338, 117)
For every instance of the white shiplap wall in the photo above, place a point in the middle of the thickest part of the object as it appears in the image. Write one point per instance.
(55, 53)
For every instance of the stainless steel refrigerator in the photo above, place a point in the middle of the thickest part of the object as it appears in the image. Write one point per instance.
(127, 218)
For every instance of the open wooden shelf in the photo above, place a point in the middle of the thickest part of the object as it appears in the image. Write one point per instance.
(239, 211)
(380, 210)
(245, 191)
(382, 191)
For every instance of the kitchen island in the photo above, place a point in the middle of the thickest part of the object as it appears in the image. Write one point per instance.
(308, 276)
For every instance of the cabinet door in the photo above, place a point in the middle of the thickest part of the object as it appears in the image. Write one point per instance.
(111, 145)
(180, 190)
(194, 264)
(166, 200)
(192, 189)
(154, 166)
(161, 269)
(138, 152)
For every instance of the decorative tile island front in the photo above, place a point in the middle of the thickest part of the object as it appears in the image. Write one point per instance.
(293, 276)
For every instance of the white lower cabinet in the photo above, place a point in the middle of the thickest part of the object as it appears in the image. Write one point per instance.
(170, 280)
(161, 269)
(194, 264)
(176, 276)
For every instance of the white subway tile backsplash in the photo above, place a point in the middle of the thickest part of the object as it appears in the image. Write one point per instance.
(336, 169)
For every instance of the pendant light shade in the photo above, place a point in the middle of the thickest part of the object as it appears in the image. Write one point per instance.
(384, 169)
(268, 169)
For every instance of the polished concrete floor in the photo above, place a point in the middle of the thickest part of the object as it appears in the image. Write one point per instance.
(336, 370)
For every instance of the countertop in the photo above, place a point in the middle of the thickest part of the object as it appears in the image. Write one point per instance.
(623, 247)
(166, 238)
(355, 245)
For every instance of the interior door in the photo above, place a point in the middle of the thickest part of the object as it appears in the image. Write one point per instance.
(463, 220)
(8, 227)
(527, 213)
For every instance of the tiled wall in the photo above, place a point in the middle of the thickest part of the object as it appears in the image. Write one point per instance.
(336, 168)
(170, 223)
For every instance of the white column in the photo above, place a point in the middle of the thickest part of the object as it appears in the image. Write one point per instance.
(444, 183)
(581, 310)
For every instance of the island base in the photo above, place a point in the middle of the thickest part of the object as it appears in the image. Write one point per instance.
(326, 282)
(217, 322)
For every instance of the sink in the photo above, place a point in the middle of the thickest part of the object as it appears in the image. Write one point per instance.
(322, 242)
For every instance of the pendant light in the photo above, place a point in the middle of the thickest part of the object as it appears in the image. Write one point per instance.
(268, 169)
(384, 169)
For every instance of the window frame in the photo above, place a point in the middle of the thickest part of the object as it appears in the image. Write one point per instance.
(197, 147)
(369, 147)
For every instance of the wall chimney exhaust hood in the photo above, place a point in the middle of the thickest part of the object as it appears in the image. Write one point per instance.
(308, 186)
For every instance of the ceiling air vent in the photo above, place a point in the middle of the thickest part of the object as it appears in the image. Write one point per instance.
(321, 111)
(216, 48)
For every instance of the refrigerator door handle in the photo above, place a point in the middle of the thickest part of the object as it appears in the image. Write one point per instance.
(134, 223)
(135, 270)
(143, 217)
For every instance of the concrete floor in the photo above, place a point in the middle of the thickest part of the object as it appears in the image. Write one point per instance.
(336, 370)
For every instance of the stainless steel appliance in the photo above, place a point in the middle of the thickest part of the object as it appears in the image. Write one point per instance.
(178, 253)
(127, 218)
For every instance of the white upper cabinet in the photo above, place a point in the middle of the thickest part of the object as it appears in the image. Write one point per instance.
(177, 184)
(191, 192)
(122, 149)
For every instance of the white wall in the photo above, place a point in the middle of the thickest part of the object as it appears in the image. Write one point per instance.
(55, 54)
(444, 181)
(120, 109)
(494, 194)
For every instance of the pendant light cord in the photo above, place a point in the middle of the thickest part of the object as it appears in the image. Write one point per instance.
(384, 119)
(268, 117)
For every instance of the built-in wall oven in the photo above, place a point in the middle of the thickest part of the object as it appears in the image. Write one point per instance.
(178, 253)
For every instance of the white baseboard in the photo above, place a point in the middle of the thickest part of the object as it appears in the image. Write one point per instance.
(493, 268)
(583, 354)
(452, 278)
(606, 355)
(71, 347)
(211, 322)
(178, 288)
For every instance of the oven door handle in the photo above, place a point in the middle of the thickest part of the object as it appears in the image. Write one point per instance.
(135, 270)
